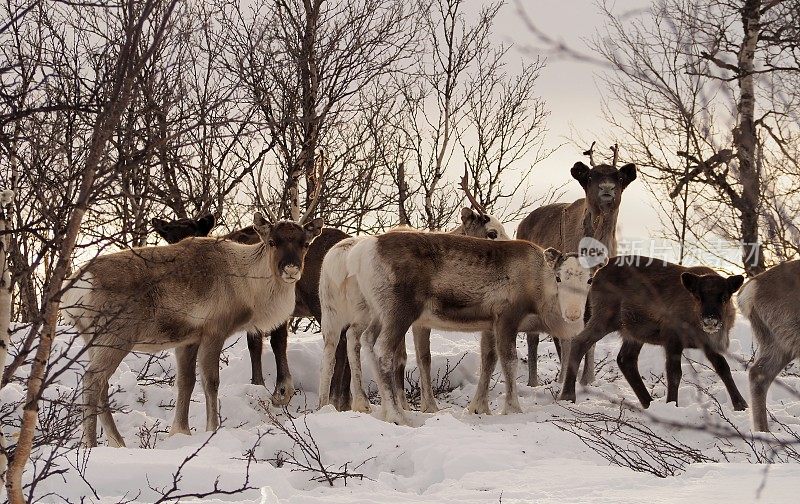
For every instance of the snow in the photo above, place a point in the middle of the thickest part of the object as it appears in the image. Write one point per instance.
(450, 456)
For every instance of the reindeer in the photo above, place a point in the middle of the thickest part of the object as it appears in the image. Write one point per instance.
(461, 283)
(306, 301)
(769, 301)
(564, 225)
(190, 296)
(344, 310)
(659, 303)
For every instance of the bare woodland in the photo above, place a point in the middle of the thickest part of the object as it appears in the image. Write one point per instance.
(113, 112)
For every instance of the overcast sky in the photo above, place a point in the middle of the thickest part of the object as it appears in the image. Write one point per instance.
(572, 94)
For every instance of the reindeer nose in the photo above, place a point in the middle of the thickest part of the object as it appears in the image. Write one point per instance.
(573, 314)
(711, 323)
(291, 270)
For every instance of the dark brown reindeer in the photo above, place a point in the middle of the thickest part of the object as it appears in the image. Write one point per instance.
(769, 301)
(564, 225)
(659, 303)
(307, 303)
(190, 296)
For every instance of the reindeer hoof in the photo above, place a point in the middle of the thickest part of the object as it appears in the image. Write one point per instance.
(430, 408)
(179, 430)
(511, 408)
(282, 395)
(481, 408)
(568, 396)
(361, 406)
(740, 405)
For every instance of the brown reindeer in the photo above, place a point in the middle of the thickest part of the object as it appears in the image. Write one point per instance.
(343, 314)
(564, 225)
(659, 303)
(769, 301)
(461, 283)
(190, 296)
(307, 303)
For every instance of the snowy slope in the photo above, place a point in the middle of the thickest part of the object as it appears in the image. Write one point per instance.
(448, 457)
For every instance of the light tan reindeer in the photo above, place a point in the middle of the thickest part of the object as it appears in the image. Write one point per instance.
(769, 301)
(564, 225)
(343, 308)
(190, 296)
(459, 283)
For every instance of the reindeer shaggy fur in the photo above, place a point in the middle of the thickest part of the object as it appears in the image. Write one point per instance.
(455, 283)
(564, 225)
(307, 304)
(344, 310)
(659, 303)
(189, 296)
(769, 301)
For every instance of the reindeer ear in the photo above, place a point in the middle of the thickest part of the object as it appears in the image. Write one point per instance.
(580, 172)
(689, 281)
(627, 174)
(314, 227)
(734, 283)
(467, 215)
(205, 224)
(261, 225)
(552, 257)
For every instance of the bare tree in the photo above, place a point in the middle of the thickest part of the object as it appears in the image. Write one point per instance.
(697, 82)
(119, 62)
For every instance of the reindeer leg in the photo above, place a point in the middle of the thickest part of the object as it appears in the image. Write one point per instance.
(479, 404)
(340, 386)
(255, 345)
(674, 351)
(400, 359)
(768, 364)
(360, 401)
(595, 330)
(422, 348)
(103, 361)
(208, 355)
(186, 357)
(724, 371)
(628, 362)
(284, 387)
(533, 358)
(505, 342)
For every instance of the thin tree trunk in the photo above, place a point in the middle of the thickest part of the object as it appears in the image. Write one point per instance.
(745, 140)
(129, 64)
(5, 306)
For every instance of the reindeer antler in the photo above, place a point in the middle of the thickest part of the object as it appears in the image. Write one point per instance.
(615, 149)
(471, 197)
(317, 190)
(590, 153)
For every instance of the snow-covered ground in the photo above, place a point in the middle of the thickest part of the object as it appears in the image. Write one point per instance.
(447, 457)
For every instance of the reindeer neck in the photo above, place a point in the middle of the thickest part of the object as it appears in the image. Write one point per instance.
(602, 227)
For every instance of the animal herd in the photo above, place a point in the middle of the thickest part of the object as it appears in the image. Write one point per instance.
(197, 291)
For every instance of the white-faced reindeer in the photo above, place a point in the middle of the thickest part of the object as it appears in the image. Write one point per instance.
(190, 296)
(343, 308)
(459, 283)
(769, 301)
(564, 225)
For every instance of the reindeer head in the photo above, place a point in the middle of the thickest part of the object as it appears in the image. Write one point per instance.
(288, 242)
(572, 283)
(177, 230)
(603, 183)
(482, 225)
(476, 221)
(711, 293)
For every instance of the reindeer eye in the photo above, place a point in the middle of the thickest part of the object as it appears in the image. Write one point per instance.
(589, 281)
(558, 279)
(492, 234)
(306, 245)
(271, 243)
